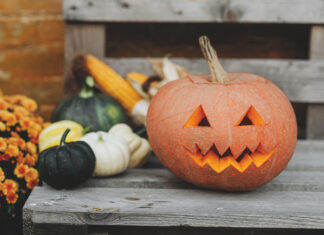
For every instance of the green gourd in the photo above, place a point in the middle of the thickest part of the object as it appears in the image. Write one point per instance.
(96, 112)
(66, 165)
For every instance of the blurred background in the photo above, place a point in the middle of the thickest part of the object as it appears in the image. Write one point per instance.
(32, 50)
(32, 37)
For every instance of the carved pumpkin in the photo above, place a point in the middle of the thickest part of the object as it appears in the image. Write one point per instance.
(235, 132)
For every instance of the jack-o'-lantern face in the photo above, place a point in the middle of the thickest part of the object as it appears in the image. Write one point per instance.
(219, 162)
(233, 136)
(230, 131)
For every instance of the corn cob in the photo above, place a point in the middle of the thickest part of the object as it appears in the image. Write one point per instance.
(140, 78)
(112, 83)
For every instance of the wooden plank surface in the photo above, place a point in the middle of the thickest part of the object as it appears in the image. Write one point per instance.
(288, 180)
(301, 80)
(315, 112)
(174, 207)
(155, 198)
(243, 11)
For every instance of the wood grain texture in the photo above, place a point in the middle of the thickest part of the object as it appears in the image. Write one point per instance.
(315, 112)
(301, 80)
(243, 11)
(175, 207)
(289, 180)
(290, 201)
(316, 42)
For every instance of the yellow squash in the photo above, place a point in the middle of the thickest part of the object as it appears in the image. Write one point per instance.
(52, 134)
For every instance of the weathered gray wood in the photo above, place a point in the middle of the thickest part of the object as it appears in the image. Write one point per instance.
(301, 80)
(56, 225)
(310, 145)
(288, 180)
(316, 42)
(174, 207)
(315, 121)
(88, 38)
(243, 11)
(315, 112)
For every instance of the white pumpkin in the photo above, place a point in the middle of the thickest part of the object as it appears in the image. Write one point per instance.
(140, 148)
(111, 151)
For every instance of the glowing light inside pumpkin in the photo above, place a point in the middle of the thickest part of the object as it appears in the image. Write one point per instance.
(198, 118)
(220, 162)
(251, 117)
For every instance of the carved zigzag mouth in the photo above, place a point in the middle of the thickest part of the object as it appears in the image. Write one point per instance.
(220, 162)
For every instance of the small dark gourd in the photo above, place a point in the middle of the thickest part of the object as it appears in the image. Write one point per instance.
(98, 112)
(66, 165)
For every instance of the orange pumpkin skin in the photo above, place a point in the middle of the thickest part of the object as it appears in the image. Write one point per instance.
(182, 146)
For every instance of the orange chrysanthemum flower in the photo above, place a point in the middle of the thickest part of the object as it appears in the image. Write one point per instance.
(21, 170)
(25, 123)
(9, 186)
(20, 111)
(4, 157)
(10, 119)
(12, 150)
(31, 174)
(3, 145)
(17, 141)
(33, 133)
(12, 197)
(3, 104)
(31, 148)
(21, 144)
(14, 134)
(13, 140)
(32, 183)
(29, 104)
(2, 175)
(34, 140)
(30, 160)
(2, 126)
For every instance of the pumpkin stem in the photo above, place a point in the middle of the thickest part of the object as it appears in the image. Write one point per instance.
(100, 138)
(87, 89)
(66, 132)
(218, 74)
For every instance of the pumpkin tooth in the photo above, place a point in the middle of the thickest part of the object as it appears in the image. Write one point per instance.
(220, 162)
(253, 147)
(259, 158)
(237, 149)
(222, 148)
(213, 160)
(205, 148)
(245, 162)
(193, 148)
(224, 163)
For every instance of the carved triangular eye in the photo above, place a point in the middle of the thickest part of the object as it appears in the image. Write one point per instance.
(198, 118)
(251, 117)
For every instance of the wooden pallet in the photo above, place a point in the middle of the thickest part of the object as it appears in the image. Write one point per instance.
(153, 200)
(301, 80)
(150, 201)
